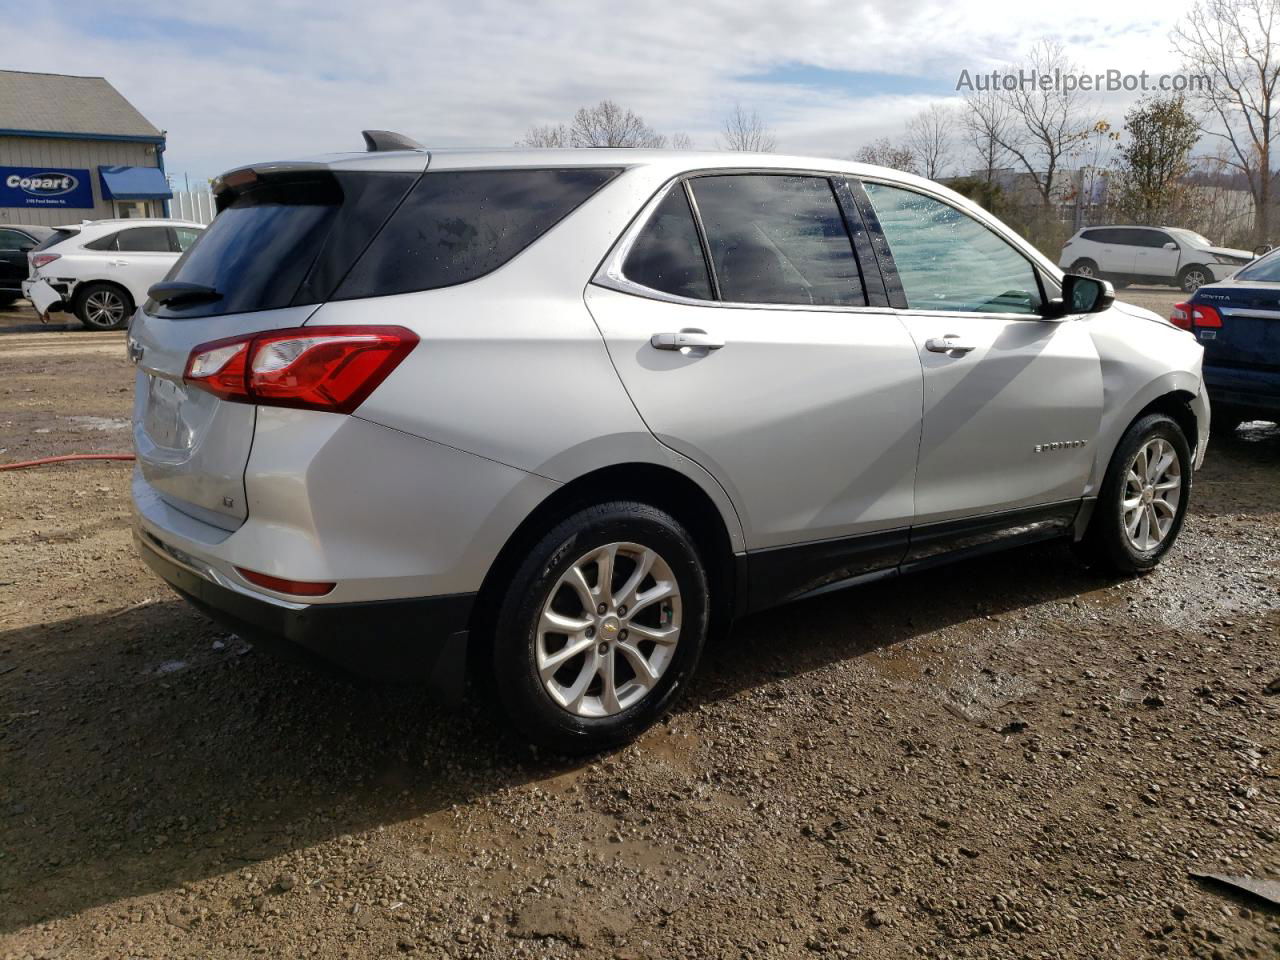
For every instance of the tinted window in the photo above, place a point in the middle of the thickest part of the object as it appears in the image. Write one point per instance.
(285, 241)
(457, 226)
(144, 240)
(110, 242)
(778, 239)
(949, 261)
(184, 237)
(667, 254)
(55, 238)
(1095, 236)
(1155, 239)
(1263, 270)
(13, 240)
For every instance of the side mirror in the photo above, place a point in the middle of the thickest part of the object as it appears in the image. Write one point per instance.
(1081, 295)
(1170, 245)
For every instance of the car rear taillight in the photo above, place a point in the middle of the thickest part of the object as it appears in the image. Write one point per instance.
(1191, 316)
(314, 368)
(299, 588)
(39, 260)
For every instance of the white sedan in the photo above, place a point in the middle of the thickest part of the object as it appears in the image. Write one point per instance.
(101, 270)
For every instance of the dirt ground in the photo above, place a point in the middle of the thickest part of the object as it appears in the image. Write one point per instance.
(1006, 758)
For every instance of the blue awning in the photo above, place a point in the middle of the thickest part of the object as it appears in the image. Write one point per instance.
(134, 183)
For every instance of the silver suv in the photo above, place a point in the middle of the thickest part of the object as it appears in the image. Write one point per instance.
(549, 418)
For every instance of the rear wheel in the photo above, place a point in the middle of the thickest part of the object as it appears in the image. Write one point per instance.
(1084, 267)
(103, 306)
(600, 628)
(1143, 500)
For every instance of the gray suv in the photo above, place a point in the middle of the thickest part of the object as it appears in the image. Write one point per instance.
(548, 418)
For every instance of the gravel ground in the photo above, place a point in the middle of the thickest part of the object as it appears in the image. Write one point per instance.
(1006, 758)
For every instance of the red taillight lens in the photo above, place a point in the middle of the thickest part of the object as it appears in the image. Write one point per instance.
(314, 368)
(1190, 316)
(39, 260)
(299, 588)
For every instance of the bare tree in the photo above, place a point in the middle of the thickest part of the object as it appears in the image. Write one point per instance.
(1048, 122)
(681, 141)
(609, 125)
(986, 123)
(884, 153)
(747, 132)
(1236, 45)
(548, 136)
(929, 139)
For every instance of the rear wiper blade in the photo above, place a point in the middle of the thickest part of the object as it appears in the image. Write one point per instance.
(176, 291)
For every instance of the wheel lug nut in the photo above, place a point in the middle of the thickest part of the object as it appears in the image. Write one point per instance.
(622, 611)
(591, 631)
(622, 634)
(601, 609)
(604, 648)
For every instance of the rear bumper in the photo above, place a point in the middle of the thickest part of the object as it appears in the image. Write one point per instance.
(1248, 390)
(422, 640)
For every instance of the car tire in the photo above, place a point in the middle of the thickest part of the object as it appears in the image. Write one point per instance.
(616, 685)
(1192, 277)
(103, 306)
(1137, 493)
(1084, 267)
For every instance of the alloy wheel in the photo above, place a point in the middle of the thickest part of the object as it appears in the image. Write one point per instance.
(1193, 280)
(103, 308)
(608, 630)
(1152, 492)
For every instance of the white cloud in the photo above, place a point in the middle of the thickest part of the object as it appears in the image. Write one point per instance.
(245, 80)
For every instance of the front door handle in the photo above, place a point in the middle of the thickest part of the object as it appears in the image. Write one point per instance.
(689, 337)
(948, 344)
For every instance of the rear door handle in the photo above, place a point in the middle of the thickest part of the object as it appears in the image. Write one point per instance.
(690, 337)
(118, 263)
(948, 344)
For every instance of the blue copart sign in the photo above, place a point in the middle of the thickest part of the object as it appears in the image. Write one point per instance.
(45, 187)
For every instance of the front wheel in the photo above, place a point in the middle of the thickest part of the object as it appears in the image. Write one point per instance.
(600, 628)
(1193, 278)
(103, 306)
(1143, 500)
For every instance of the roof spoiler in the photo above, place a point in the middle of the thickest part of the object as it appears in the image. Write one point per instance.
(380, 141)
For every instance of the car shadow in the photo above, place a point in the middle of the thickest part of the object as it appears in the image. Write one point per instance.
(1239, 472)
(147, 748)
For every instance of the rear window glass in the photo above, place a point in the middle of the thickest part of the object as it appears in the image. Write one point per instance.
(457, 226)
(1265, 270)
(285, 242)
(55, 238)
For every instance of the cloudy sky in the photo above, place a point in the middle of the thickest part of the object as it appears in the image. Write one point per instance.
(245, 80)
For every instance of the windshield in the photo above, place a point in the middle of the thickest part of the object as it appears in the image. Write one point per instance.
(1265, 270)
(1190, 235)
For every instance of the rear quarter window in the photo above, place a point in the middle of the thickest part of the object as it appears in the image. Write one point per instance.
(457, 226)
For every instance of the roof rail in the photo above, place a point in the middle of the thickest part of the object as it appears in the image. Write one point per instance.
(379, 141)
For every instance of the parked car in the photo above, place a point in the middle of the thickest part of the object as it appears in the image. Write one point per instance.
(16, 241)
(1164, 255)
(101, 270)
(552, 416)
(1238, 324)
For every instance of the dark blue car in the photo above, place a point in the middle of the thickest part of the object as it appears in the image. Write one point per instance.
(1237, 321)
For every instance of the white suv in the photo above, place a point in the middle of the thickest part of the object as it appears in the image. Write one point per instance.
(1163, 255)
(555, 415)
(100, 270)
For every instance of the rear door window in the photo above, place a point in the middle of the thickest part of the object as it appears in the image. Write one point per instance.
(457, 226)
(184, 237)
(143, 240)
(778, 239)
(667, 254)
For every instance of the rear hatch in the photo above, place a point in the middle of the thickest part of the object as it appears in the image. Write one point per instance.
(283, 238)
(1249, 336)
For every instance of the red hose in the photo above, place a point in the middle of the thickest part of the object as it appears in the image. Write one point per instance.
(65, 458)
